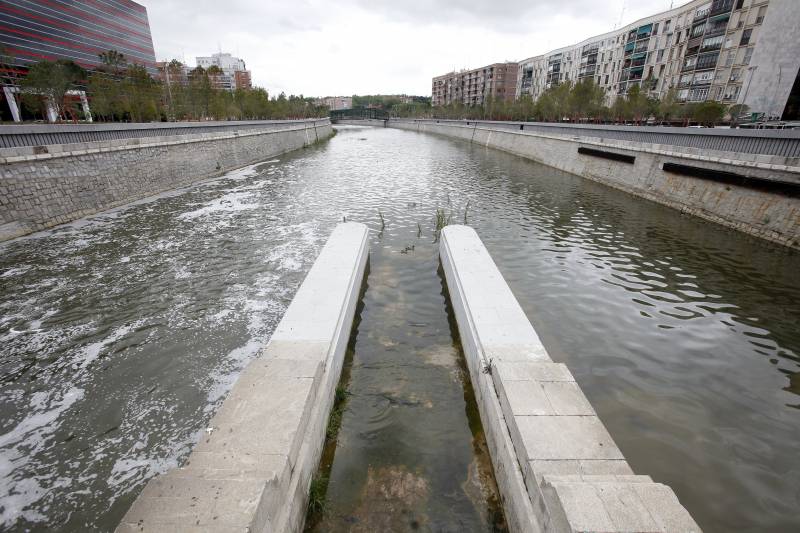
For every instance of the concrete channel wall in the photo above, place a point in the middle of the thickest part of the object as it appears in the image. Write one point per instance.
(557, 467)
(253, 467)
(45, 185)
(754, 193)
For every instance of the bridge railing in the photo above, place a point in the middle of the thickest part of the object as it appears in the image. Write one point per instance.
(783, 143)
(12, 136)
(357, 113)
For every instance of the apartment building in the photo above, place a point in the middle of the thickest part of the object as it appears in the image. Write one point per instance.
(234, 71)
(473, 87)
(732, 51)
(335, 103)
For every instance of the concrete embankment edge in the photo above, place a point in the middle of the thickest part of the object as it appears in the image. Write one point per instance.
(253, 467)
(557, 468)
(763, 213)
(43, 186)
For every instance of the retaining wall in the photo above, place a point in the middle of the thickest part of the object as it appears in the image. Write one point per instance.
(557, 467)
(252, 469)
(754, 193)
(45, 185)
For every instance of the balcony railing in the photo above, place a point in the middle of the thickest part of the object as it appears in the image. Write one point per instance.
(702, 14)
(720, 6)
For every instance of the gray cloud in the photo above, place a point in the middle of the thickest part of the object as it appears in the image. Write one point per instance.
(329, 47)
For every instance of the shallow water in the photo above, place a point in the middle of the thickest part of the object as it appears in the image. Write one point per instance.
(122, 333)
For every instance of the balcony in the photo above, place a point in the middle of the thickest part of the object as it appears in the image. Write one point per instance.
(707, 61)
(702, 14)
(716, 30)
(720, 6)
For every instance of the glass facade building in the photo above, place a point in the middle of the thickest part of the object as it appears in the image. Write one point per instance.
(77, 30)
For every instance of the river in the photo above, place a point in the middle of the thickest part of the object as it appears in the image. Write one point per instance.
(121, 334)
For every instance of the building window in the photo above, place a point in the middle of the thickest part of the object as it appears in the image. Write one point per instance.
(739, 4)
(666, 25)
(761, 12)
(729, 59)
(747, 55)
(731, 92)
(746, 37)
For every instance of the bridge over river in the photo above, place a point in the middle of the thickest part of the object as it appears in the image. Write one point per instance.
(122, 332)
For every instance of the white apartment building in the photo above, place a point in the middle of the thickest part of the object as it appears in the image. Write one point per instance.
(335, 103)
(732, 51)
(230, 66)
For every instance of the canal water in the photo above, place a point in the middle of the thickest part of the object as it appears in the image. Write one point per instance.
(121, 334)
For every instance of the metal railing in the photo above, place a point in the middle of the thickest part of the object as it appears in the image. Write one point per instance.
(14, 136)
(783, 143)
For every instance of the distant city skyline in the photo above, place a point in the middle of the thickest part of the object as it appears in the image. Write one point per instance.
(376, 47)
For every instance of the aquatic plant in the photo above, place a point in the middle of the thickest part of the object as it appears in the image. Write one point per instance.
(335, 419)
(316, 494)
(442, 219)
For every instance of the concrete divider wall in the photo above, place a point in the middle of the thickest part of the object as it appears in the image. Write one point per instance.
(42, 186)
(252, 469)
(556, 465)
(764, 213)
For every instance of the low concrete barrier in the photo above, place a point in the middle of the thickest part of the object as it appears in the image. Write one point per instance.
(755, 194)
(556, 465)
(253, 468)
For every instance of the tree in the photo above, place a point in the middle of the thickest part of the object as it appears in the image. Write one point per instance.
(638, 106)
(50, 81)
(708, 113)
(585, 99)
(737, 111)
(668, 107)
(113, 61)
(142, 95)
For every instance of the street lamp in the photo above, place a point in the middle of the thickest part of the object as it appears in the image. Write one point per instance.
(751, 70)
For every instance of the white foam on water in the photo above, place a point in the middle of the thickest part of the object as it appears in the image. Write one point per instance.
(182, 272)
(14, 271)
(228, 203)
(19, 445)
(91, 352)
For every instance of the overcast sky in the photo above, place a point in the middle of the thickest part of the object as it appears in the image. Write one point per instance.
(345, 47)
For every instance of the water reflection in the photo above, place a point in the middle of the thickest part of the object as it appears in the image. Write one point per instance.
(120, 335)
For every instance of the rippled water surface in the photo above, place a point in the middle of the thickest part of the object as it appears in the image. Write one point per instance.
(122, 333)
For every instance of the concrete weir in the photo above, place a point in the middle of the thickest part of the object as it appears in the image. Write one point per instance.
(557, 467)
(252, 469)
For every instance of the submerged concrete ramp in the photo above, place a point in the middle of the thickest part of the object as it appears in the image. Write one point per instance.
(556, 465)
(252, 469)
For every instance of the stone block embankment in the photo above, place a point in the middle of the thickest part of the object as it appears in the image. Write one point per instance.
(753, 193)
(252, 469)
(556, 465)
(46, 185)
